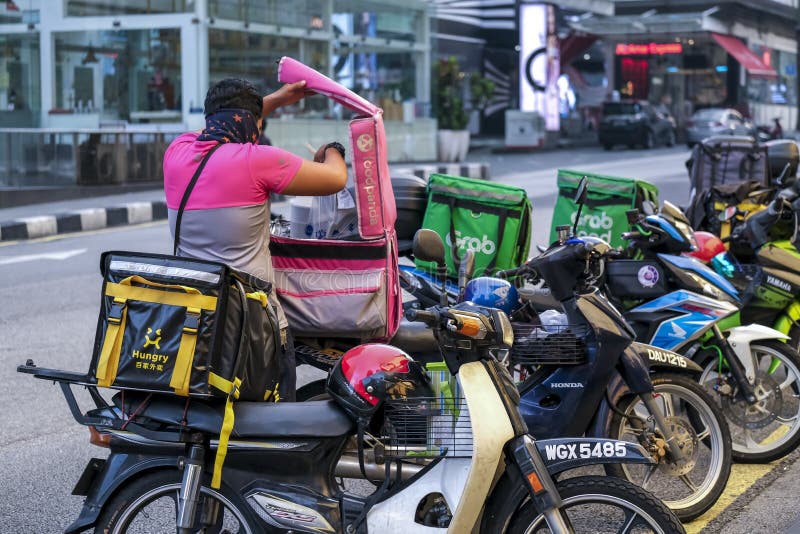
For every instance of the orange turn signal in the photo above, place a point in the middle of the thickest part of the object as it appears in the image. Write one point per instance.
(535, 483)
(96, 438)
(471, 327)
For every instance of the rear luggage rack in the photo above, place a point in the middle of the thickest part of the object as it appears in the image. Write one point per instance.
(104, 415)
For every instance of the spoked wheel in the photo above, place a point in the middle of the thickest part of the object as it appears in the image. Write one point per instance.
(770, 428)
(601, 505)
(692, 484)
(149, 505)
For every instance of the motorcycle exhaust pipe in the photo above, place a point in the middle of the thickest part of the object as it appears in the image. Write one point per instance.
(348, 468)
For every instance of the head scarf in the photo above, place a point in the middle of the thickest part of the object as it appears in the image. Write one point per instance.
(230, 126)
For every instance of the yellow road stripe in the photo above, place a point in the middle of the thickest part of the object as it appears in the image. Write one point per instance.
(743, 476)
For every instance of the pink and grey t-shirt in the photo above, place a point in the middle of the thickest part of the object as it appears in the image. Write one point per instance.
(227, 216)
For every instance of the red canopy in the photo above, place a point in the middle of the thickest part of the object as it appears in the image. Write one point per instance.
(744, 56)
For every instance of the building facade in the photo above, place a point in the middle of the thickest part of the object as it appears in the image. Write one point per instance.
(146, 64)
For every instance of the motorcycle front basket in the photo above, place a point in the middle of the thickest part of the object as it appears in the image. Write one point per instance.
(425, 427)
(536, 344)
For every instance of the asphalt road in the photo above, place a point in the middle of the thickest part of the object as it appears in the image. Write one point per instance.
(49, 293)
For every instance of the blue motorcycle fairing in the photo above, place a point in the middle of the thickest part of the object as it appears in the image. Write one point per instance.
(695, 314)
(564, 401)
(452, 287)
(665, 225)
(695, 266)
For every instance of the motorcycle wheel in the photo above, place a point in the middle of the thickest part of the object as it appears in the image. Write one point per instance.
(149, 504)
(770, 429)
(693, 486)
(594, 504)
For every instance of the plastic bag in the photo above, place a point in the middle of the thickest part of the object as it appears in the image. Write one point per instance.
(553, 321)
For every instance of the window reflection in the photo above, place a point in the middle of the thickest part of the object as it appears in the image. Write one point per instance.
(82, 8)
(20, 86)
(297, 14)
(129, 75)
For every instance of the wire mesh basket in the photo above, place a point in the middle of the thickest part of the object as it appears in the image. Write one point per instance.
(548, 344)
(426, 427)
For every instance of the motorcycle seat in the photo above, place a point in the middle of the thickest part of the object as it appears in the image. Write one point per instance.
(251, 419)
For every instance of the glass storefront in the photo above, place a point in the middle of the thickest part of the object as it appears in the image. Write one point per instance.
(88, 8)
(302, 13)
(135, 64)
(781, 90)
(20, 86)
(129, 75)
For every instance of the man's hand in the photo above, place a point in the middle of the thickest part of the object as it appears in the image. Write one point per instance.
(289, 94)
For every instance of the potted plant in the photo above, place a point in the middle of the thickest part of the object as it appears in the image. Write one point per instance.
(452, 118)
(481, 90)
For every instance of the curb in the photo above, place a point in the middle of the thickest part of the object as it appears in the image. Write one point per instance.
(467, 170)
(83, 220)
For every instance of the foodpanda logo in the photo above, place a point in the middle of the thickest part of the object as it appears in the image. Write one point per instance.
(463, 242)
(594, 224)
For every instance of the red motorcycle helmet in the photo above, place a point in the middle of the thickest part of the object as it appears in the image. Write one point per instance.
(708, 246)
(369, 374)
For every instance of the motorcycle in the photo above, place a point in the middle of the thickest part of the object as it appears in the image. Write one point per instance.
(765, 133)
(592, 366)
(679, 303)
(616, 387)
(439, 460)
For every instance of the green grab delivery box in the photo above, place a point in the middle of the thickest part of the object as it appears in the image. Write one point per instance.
(607, 200)
(492, 220)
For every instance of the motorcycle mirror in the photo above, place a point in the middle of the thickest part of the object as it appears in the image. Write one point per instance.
(428, 246)
(465, 271)
(728, 213)
(649, 208)
(580, 193)
(580, 199)
(781, 180)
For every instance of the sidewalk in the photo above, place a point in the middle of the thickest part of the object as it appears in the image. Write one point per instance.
(94, 213)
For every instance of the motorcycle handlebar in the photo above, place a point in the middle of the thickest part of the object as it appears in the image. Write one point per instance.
(510, 273)
(422, 316)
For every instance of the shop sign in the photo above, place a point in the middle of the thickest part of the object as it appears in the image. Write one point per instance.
(539, 62)
(642, 49)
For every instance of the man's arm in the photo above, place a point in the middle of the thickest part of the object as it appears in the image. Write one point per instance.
(319, 178)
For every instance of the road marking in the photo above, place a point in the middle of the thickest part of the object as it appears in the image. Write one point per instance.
(743, 476)
(44, 256)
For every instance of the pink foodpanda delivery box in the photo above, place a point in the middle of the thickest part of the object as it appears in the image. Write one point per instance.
(338, 288)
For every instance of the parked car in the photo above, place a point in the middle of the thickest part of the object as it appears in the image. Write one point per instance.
(717, 121)
(634, 123)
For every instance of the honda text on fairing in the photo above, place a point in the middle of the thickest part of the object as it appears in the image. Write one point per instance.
(678, 303)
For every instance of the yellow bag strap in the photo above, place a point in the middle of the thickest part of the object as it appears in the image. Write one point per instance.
(181, 372)
(140, 280)
(112, 343)
(171, 298)
(260, 296)
(225, 432)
